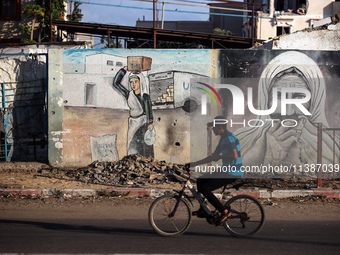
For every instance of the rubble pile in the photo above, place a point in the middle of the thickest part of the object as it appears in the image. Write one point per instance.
(133, 170)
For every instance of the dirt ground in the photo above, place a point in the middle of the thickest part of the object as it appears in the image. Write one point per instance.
(59, 179)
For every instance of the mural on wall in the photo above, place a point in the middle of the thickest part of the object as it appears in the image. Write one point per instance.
(140, 97)
(148, 102)
(265, 140)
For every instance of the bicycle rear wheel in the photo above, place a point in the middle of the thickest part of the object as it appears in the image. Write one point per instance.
(250, 217)
(165, 224)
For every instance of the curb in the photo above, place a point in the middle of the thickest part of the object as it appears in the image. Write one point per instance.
(158, 192)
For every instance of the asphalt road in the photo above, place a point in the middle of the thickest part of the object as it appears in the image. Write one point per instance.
(97, 230)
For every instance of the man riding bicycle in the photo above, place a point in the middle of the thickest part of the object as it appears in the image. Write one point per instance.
(228, 149)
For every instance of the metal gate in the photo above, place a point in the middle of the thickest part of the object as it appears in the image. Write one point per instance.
(23, 124)
(328, 171)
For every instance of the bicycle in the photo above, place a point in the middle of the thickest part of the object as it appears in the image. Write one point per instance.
(170, 214)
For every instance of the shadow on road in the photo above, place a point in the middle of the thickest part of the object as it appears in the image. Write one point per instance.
(273, 236)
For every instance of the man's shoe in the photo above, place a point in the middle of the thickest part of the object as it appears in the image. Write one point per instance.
(199, 213)
(223, 218)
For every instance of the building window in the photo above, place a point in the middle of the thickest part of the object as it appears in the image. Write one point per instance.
(291, 6)
(282, 30)
(90, 94)
(109, 63)
(10, 10)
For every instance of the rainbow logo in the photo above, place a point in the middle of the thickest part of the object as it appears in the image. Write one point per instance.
(209, 93)
(204, 99)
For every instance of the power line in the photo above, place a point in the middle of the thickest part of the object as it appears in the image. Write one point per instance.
(201, 6)
(167, 10)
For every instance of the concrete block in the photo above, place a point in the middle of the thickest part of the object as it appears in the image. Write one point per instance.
(328, 193)
(291, 193)
(322, 22)
(80, 192)
(333, 27)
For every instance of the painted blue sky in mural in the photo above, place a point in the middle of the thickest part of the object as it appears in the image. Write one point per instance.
(194, 61)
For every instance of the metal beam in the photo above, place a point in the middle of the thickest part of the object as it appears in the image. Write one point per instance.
(147, 33)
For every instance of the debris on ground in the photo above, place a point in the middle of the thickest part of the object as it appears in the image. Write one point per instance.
(136, 171)
(133, 171)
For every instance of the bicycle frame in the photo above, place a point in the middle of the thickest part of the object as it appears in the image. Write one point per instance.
(198, 197)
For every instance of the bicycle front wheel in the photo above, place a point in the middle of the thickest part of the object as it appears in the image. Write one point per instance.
(163, 222)
(249, 217)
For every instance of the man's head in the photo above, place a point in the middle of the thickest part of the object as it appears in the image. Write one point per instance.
(219, 125)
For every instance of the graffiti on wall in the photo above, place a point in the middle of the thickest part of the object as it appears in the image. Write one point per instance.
(288, 139)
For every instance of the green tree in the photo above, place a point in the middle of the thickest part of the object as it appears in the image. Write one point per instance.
(58, 13)
(57, 7)
(113, 44)
(219, 31)
(76, 15)
(36, 12)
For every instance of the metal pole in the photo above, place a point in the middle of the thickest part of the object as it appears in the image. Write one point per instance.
(334, 140)
(157, 16)
(252, 25)
(163, 15)
(319, 154)
(5, 124)
(154, 24)
(108, 38)
(70, 10)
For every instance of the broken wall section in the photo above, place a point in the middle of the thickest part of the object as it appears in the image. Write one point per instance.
(326, 37)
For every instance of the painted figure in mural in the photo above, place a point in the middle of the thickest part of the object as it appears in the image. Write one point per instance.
(228, 150)
(141, 118)
(275, 144)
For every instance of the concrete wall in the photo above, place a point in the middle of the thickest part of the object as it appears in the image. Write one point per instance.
(80, 133)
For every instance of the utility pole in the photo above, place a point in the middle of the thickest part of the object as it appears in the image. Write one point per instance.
(154, 24)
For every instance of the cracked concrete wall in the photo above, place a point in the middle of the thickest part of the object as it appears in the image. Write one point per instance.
(324, 39)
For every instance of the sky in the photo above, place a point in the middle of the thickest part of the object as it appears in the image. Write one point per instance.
(116, 12)
(127, 12)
